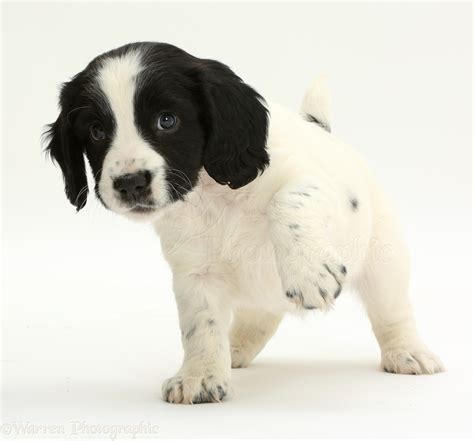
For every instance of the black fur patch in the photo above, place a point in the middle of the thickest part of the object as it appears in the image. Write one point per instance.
(354, 204)
(190, 333)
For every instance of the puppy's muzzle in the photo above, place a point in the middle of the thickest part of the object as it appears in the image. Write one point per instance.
(133, 188)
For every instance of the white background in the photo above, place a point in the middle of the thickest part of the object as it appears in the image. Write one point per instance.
(90, 326)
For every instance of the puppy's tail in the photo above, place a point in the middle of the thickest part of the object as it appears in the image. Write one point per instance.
(316, 106)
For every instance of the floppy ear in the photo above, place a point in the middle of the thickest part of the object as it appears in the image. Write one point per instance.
(64, 149)
(237, 122)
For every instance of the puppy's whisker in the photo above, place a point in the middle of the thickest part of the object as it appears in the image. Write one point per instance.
(181, 196)
(172, 187)
(180, 186)
(81, 192)
(85, 189)
(181, 175)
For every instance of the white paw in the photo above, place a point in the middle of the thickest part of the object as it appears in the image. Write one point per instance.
(314, 286)
(194, 390)
(417, 362)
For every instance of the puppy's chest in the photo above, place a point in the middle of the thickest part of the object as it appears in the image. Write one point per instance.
(217, 230)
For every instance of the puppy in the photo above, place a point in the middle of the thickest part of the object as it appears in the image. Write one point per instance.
(260, 211)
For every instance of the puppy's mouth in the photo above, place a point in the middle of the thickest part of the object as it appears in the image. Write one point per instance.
(143, 208)
(139, 204)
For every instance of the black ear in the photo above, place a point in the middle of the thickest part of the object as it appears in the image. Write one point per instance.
(237, 123)
(64, 149)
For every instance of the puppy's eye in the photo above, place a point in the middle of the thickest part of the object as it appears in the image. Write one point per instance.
(97, 132)
(166, 121)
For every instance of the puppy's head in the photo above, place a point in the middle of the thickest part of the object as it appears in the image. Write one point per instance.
(149, 117)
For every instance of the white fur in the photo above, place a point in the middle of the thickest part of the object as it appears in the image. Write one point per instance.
(233, 253)
(235, 248)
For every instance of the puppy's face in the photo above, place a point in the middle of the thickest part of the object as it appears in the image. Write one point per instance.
(149, 117)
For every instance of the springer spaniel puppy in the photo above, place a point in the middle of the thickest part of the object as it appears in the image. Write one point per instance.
(260, 211)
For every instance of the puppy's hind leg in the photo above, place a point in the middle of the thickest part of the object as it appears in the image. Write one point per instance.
(251, 330)
(384, 291)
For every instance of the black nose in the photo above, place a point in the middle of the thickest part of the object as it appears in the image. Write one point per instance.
(132, 186)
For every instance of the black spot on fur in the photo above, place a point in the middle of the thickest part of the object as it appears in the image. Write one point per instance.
(190, 333)
(293, 226)
(221, 392)
(323, 293)
(295, 294)
(336, 295)
(313, 119)
(300, 193)
(354, 204)
(291, 294)
(202, 397)
(309, 307)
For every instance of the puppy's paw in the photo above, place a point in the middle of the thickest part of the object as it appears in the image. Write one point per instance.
(195, 390)
(416, 362)
(315, 286)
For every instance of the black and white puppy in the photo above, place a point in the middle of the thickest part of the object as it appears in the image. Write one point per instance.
(260, 211)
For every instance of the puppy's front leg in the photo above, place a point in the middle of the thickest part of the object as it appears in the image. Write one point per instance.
(204, 319)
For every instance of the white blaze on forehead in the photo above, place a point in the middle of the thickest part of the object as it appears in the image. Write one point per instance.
(128, 152)
(117, 79)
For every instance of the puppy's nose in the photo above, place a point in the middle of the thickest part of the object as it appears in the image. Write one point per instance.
(133, 185)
